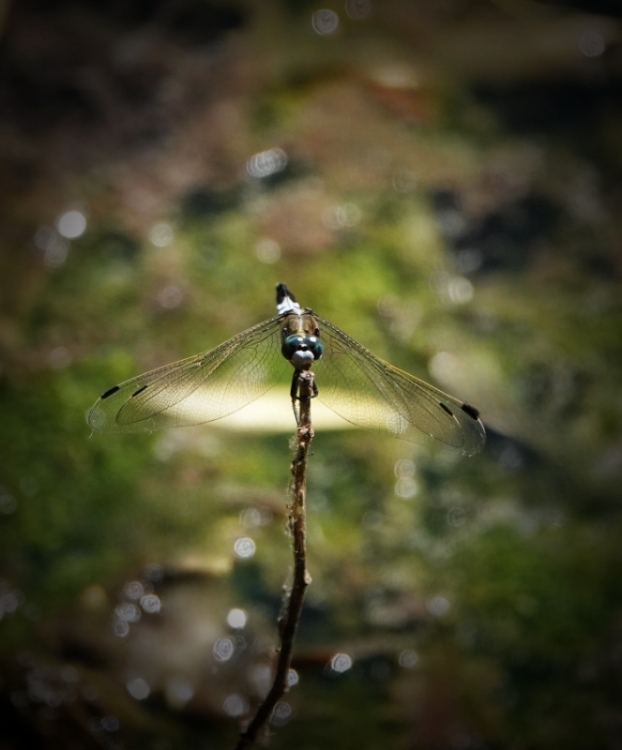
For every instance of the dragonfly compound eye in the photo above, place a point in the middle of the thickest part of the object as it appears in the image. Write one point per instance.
(302, 351)
(314, 345)
(291, 345)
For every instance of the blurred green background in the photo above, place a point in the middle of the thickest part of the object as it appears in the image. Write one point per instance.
(442, 181)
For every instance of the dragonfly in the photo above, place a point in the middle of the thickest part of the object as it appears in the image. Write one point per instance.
(354, 383)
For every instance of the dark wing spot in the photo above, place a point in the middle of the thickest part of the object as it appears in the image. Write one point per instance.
(470, 410)
(109, 392)
(140, 390)
(446, 408)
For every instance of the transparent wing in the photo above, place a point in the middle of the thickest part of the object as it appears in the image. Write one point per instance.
(199, 389)
(372, 394)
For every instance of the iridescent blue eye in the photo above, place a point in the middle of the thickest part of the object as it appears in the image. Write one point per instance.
(314, 345)
(291, 345)
(302, 351)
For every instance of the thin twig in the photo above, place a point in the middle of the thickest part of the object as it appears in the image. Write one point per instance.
(288, 624)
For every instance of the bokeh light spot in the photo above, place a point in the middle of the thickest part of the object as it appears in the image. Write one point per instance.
(281, 714)
(404, 468)
(591, 43)
(443, 366)
(110, 724)
(59, 358)
(44, 236)
(71, 224)
(459, 290)
(134, 590)
(292, 678)
(267, 163)
(235, 705)
(161, 235)
(170, 297)
(250, 517)
(469, 259)
(451, 222)
(325, 21)
(511, 458)
(408, 659)
(244, 547)
(341, 663)
(178, 692)
(267, 251)
(9, 603)
(455, 289)
(406, 487)
(341, 217)
(438, 606)
(223, 649)
(138, 688)
(8, 504)
(236, 619)
(151, 604)
(127, 612)
(358, 9)
(154, 573)
(121, 628)
(55, 253)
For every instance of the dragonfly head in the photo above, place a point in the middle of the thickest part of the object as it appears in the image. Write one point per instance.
(302, 351)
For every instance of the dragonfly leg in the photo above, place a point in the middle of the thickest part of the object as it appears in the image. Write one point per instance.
(294, 393)
(295, 387)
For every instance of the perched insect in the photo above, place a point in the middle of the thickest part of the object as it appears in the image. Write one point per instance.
(352, 382)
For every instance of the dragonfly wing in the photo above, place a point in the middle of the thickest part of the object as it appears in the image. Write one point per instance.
(196, 390)
(373, 394)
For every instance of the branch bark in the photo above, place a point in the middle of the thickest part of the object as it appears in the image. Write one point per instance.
(288, 623)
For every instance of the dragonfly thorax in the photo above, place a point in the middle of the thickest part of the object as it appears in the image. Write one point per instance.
(301, 341)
